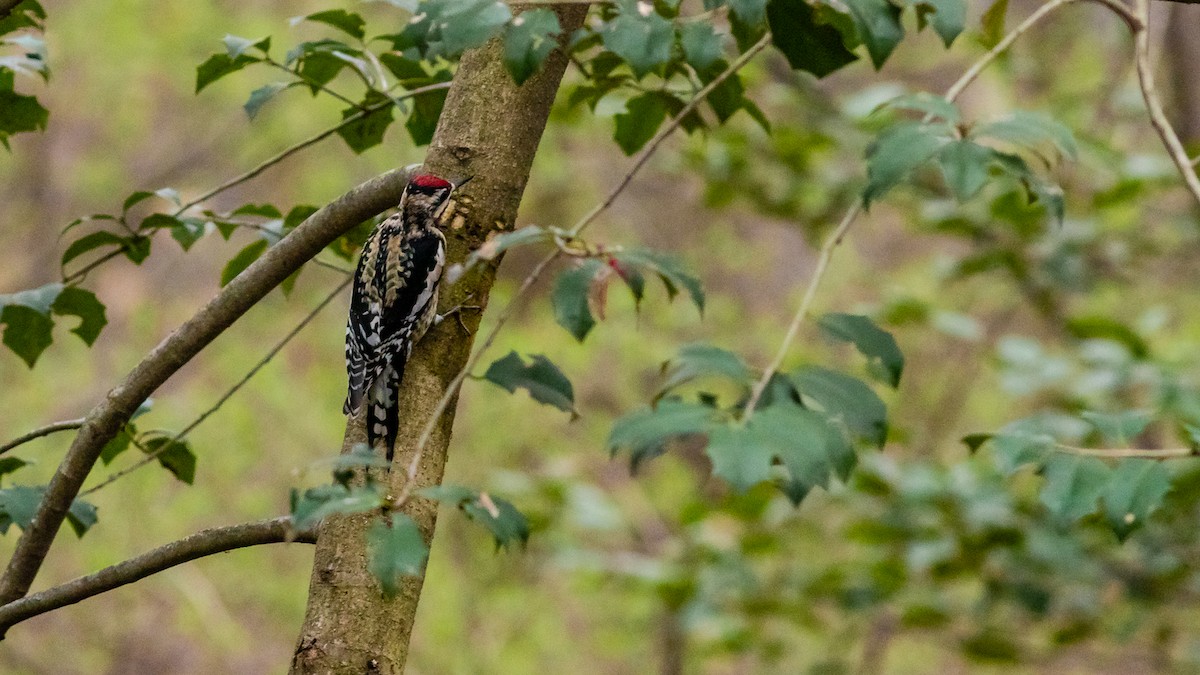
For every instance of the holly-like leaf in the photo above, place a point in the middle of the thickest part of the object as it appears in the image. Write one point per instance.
(701, 44)
(1120, 427)
(751, 12)
(506, 524)
(645, 432)
(669, 269)
(530, 38)
(316, 503)
(739, 457)
(810, 447)
(242, 260)
(808, 44)
(366, 131)
(878, 345)
(81, 517)
(846, 398)
(541, 378)
(965, 167)
(118, 444)
(11, 464)
(701, 360)
(643, 115)
(879, 27)
(1073, 486)
(18, 505)
(1014, 450)
(422, 122)
(347, 22)
(948, 17)
(1031, 131)
(570, 298)
(18, 113)
(395, 551)
(218, 66)
(27, 322)
(188, 232)
(643, 40)
(174, 456)
(1135, 491)
(75, 301)
(898, 150)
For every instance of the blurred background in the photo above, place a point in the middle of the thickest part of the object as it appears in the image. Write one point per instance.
(929, 560)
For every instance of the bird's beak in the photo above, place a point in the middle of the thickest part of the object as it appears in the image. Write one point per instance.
(463, 182)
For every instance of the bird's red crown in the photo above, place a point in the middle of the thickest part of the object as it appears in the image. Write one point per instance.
(430, 182)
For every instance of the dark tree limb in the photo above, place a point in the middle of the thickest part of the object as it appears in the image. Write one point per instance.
(107, 418)
(199, 545)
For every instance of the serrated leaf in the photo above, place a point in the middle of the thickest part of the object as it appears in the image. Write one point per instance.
(530, 38)
(174, 456)
(18, 505)
(749, 11)
(506, 524)
(347, 22)
(18, 113)
(75, 301)
(807, 43)
(642, 117)
(965, 167)
(1135, 491)
(739, 457)
(218, 66)
(316, 503)
(27, 332)
(846, 398)
(81, 517)
(669, 269)
(644, 42)
(1016, 450)
(878, 345)
(702, 360)
(645, 432)
(1031, 131)
(701, 44)
(948, 17)
(242, 260)
(541, 378)
(879, 27)
(259, 97)
(570, 298)
(1073, 486)
(395, 551)
(367, 131)
(898, 150)
(188, 232)
(1121, 427)
(810, 448)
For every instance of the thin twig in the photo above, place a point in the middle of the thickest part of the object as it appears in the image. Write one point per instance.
(1158, 118)
(307, 81)
(839, 233)
(1151, 453)
(42, 431)
(199, 545)
(580, 226)
(153, 455)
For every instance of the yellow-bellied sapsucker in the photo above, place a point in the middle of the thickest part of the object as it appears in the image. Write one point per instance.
(394, 302)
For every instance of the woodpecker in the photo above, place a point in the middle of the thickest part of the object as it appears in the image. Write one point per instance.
(394, 302)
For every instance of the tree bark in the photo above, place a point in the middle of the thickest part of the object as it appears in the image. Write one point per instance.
(489, 129)
(1181, 48)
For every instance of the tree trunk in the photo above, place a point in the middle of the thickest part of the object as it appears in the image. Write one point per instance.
(1181, 49)
(489, 129)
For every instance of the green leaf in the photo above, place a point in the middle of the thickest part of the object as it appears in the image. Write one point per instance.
(27, 332)
(81, 517)
(808, 44)
(808, 445)
(965, 166)
(991, 24)
(1073, 486)
(541, 378)
(242, 260)
(18, 113)
(75, 301)
(316, 503)
(530, 38)
(670, 271)
(846, 398)
(739, 457)
(347, 22)
(570, 298)
(1031, 131)
(366, 131)
(701, 44)
(878, 345)
(976, 441)
(189, 231)
(933, 105)
(259, 97)
(235, 46)
(500, 242)
(898, 150)
(1106, 328)
(751, 12)
(644, 42)
(949, 17)
(643, 115)
(1048, 195)
(506, 524)
(1135, 491)
(1018, 449)
(216, 67)
(18, 505)
(879, 27)
(645, 432)
(1120, 427)
(174, 456)
(422, 122)
(701, 360)
(118, 444)
(395, 551)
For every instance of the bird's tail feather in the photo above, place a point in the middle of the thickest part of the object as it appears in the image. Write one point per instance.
(383, 410)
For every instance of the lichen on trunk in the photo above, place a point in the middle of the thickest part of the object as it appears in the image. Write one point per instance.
(489, 129)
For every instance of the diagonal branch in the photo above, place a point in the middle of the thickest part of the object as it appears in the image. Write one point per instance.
(107, 418)
(199, 545)
(43, 431)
